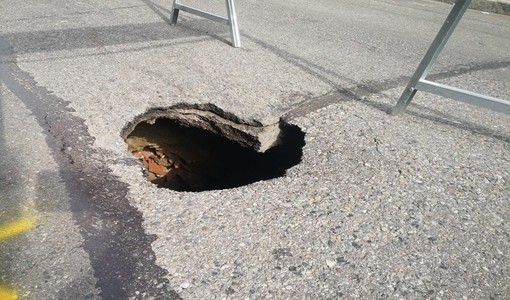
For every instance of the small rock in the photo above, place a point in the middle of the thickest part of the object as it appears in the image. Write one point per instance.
(356, 245)
(330, 263)
(185, 285)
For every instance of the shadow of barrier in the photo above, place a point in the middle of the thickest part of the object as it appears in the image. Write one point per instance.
(419, 82)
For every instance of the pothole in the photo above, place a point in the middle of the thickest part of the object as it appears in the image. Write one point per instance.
(201, 148)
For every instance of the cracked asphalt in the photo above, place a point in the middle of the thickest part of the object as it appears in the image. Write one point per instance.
(408, 207)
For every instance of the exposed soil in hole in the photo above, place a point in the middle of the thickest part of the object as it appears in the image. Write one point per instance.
(191, 159)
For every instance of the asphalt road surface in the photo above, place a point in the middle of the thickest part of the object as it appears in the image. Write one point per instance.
(408, 207)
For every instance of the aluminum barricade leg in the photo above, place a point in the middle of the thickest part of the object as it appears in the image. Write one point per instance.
(418, 80)
(231, 20)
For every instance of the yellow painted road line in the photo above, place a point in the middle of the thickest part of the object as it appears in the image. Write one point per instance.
(8, 294)
(9, 230)
(16, 227)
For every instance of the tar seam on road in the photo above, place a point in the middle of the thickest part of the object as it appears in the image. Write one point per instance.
(119, 251)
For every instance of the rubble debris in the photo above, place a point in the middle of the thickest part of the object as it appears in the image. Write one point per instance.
(184, 158)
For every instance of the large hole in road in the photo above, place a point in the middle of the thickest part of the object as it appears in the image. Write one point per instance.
(179, 156)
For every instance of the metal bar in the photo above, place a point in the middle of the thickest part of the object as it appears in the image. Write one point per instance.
(234, 29)
(230, 21)
(202, 13)
(430, 57)
(175, 13)
(489, 102)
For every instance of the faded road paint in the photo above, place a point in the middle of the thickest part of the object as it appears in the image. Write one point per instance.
(9, 230)
(16, 227)
(7, 294)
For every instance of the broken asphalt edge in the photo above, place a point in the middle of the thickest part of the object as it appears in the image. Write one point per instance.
(211, 118)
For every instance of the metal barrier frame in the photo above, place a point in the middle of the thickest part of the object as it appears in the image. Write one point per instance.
(418, 80)
(231, 20)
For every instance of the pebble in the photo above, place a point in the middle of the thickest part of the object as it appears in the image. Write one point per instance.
(185, 285)
(330, 263)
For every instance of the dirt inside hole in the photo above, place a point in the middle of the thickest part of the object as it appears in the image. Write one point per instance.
(191, 159)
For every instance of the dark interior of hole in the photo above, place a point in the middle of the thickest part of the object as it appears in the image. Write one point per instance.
(208, 161)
